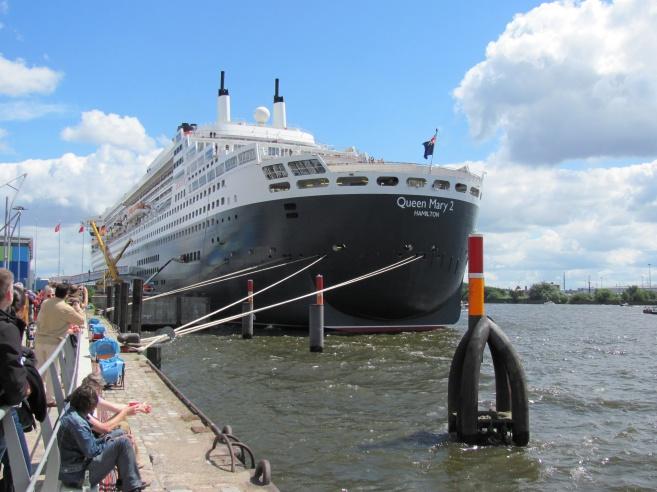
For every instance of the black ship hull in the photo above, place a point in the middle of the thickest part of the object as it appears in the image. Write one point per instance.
(358, 234)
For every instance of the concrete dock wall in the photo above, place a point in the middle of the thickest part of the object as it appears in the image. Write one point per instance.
(171, 310)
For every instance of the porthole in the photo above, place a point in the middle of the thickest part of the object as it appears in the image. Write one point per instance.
(352, 181)
(416, 182)
(276, 187)
(440, 184)
(387, 180)
(312, 183)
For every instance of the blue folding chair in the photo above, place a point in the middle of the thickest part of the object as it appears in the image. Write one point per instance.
(112, 368)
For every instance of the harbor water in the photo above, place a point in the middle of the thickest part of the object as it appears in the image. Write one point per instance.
(370, 412)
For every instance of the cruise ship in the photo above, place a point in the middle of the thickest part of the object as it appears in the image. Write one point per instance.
(231, 195)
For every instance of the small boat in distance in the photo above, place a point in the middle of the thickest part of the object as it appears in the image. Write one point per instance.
(650, 310)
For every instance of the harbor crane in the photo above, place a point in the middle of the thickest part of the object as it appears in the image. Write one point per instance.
(109, 259)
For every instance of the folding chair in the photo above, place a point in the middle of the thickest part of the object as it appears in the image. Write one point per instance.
(112, 368)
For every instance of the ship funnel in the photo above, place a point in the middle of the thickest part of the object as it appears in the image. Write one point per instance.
(280, 117)
(223, 103)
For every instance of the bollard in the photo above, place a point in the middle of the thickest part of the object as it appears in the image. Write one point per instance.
(109, 302)
(316, 318)
(123, 312)
(247, 320)
(475, 279)
(137, 297)
(117, 303)
(511, 415)
(154, 354)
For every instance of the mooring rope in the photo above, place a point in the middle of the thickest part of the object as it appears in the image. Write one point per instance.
(210, 324)
(216, 280)
(278, 282)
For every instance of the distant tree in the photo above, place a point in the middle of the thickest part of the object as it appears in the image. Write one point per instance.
(634, 295)
(516, 294)
(495, 294)
(605, 296)
(545, 291)
(581, 298)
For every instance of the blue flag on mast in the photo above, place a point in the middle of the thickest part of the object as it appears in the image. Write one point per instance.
(429, 144)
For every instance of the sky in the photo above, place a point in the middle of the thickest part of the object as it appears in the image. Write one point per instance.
(555, 102)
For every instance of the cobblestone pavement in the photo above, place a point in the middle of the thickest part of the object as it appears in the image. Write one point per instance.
(172, 441)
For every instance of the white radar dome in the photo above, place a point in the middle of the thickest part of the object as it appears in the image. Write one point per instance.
(261, 115)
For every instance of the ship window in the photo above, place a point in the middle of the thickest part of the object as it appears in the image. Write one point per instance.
(273, 151)
(461, 188)
(387, 180)
(474, 191)
(352, 181)
(275, 187)
(305, 167)
(440, 184)
(231, 163)
(274, 171)
(223, 200)
(312, 183)
(416, 182)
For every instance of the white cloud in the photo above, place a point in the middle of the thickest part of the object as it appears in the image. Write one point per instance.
(541, 222)
(568, 80)
(27, 110)
(71, 188)
(17, 79)
(121, 131)
(4, 7)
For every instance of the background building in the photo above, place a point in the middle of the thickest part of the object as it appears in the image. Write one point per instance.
(19, 258)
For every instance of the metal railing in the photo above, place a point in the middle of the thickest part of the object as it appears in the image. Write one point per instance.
(67, 357)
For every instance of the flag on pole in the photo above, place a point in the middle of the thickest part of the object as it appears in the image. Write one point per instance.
(429, 144)
(81, 228)
(58, 227)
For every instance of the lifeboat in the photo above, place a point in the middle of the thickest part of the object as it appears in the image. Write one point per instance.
(137, 211)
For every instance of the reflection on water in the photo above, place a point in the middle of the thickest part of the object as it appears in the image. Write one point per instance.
(370, 412)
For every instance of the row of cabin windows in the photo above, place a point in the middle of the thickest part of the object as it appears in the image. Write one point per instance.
(193, 256)
(184, 232)
(191, 215)
(149, 259)
(195, 213)
(438, 184)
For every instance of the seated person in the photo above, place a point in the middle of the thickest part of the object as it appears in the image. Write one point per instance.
(80, 450)
(120, 411)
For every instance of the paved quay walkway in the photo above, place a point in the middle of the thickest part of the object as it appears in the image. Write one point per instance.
(171, 440)
(175, 455)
